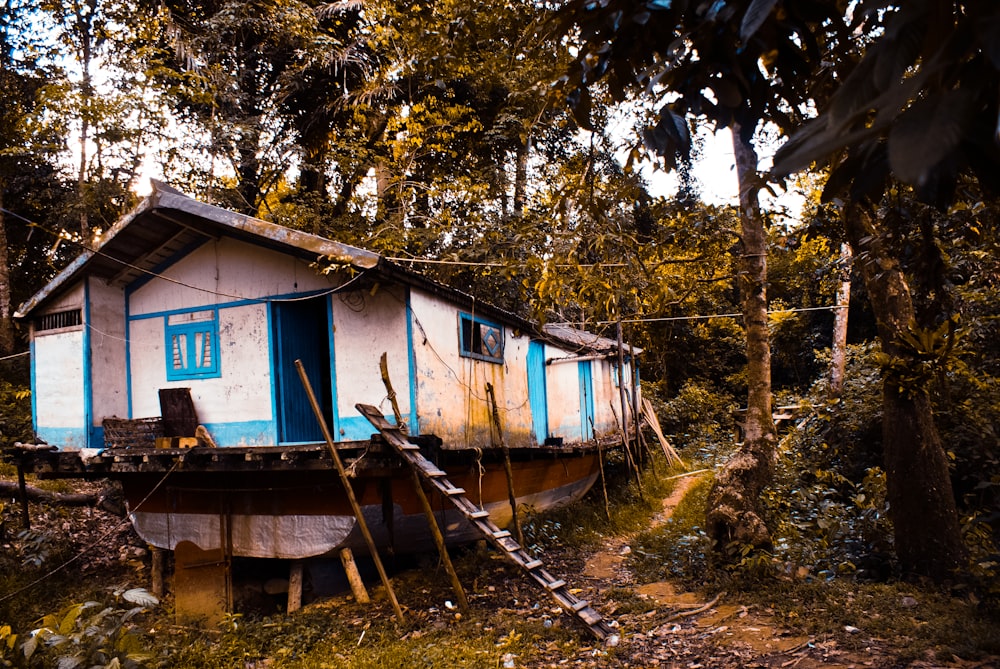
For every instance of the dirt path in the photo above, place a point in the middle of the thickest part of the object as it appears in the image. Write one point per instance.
(684, 630)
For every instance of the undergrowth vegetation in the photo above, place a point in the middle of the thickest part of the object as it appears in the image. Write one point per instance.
(829, 574)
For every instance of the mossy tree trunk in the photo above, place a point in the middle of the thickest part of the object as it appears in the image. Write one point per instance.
(733, 511)
(926, 531)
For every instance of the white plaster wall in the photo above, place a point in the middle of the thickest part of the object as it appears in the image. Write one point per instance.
(58, 371)
(563, 392)
(227, 270)
(451, 395)
(241, 393)
(107, 352)
(605, 397)
(365, 326)
(59, 387)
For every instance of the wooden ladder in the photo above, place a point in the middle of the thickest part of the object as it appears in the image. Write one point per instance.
(480, 519)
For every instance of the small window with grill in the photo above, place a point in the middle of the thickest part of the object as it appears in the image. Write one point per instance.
(61, 319)
(192, 345)
(480, 339)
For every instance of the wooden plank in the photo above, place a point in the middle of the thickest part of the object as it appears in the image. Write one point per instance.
(177, 409)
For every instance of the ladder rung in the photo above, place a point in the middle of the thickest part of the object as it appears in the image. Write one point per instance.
(579, 605)
(532, 564)
(502, 534)
(434, 472)
(409, 447)
(454, 491)
(479, 513)
(556, 584)
(590, 617)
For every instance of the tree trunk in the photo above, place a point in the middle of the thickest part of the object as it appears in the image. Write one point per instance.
(922, 507)
(6, 324)
(521, 177)
(733, 513)
(838, 349)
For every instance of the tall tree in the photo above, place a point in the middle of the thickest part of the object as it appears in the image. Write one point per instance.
(918, 99)
(24, 135)
(921, 108)
(737, 65)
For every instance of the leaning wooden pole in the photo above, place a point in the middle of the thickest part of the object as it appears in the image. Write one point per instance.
(349, 490)
(456, 584)
(506, 464)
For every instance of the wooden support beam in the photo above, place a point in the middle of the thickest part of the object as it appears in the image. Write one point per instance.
(294, 587)
(348, 490)
(23, 491)
(456, 584)
(506, 463)
(354, 577)
(156, 560)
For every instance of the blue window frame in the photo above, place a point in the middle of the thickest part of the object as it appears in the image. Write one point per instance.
(192, 340)
(480, 339)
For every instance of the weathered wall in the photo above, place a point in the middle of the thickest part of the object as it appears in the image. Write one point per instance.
(57, 379)
(451, 392)
(223, 272)
(238, 405)
(563, 381)
(109, 388)
(367, 323)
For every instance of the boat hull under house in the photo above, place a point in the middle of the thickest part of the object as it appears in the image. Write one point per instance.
(180, 294)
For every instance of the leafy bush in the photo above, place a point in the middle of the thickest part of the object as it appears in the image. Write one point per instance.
(15, 413)
(698, 418)
(82, 635)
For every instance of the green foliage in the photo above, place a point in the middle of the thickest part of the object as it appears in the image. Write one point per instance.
(698, 418)
(15, 414)
(85, 634)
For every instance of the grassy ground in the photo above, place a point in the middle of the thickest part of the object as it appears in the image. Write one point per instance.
(512, 623)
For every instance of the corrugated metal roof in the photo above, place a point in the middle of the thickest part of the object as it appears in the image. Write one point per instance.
(582, 339)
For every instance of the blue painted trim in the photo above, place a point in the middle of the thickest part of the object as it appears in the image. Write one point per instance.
(231, 305)
(276, 382)
(334, 396)
(538, 393)
(64, 437)
(128, 354)
(192, 370)
(244, 433)
(463, 318)
(88, 370)
(34, 387)
(414, 426)
(585, 370)
(357, 428)
(156, 271)
(272, 362)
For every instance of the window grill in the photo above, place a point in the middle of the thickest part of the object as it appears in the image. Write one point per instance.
(60, 319)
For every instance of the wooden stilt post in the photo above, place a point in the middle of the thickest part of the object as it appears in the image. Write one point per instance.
(600, 463)
(456, 585)
(22, 488)
(348, 490)
(506, 464)
(294, 587)
(353, 577)
(156, 559)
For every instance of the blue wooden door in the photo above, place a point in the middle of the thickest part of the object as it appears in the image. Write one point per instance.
(301, 332)
(537, 391)
(587, 416)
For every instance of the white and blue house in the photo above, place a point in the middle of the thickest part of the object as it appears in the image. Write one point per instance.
(179, 293)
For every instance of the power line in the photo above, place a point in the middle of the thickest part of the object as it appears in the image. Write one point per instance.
(701, 316)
